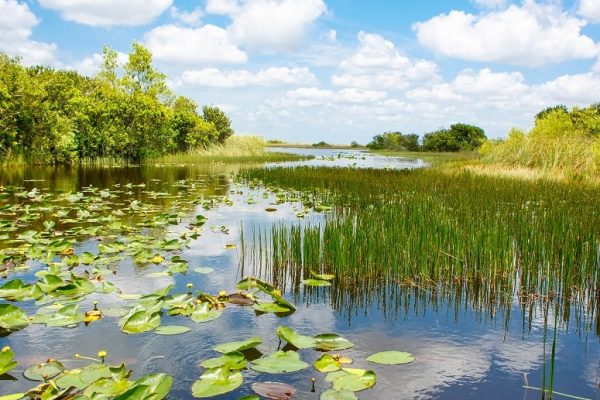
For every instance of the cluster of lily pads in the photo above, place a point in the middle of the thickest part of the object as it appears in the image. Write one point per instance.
(95, 380)
(223, 374)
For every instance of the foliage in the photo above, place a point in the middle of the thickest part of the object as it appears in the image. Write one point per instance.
(59, 117)
(561, 139)
(395, 141)
(458, 137)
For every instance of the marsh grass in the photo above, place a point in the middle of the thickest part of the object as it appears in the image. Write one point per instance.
(485, 241)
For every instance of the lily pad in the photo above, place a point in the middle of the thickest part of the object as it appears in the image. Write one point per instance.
(324, 277)
(352, 379)
(333, 394)
(232, 347)
(274, 390)
(217, 381)
(291, 336)
(271, 308)
(169, 330)
(316, 282)
(7, 361)
(235, 361)
(332, 341)
(327, 363)
(141, 321)
(12, 318)
(279, 362)
(391, 358)
(42, 371)
(203, 313)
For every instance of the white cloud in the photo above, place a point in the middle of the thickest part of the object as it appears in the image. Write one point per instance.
(378, 64)
(580, 89)
(273, 76)
(222, 7)
(274, 24)
(106, 13)
(490, 3)
(90, 65)
(191, 18)
(312, 96)
(179, 45)
(16, 23)
(531, 34)
(590, 10)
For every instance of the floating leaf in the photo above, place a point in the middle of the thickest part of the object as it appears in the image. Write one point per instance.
(248, 397)
(217, 381)
(42, 371)
(91, 373)
(279, 362)
(12, 318)
(7, 361)
(327, 363)
(203, 313)
(391, 358)
(291, 336)
(66, 316)
(169, 330)
(316, 282)
(234, 361)
(271, 308)
(232, 347)
(154, 386)
(325, 277)
(240, 299)
(141, 321)
(333, 394)
(274, 390)
(352, 379)
(332, 341)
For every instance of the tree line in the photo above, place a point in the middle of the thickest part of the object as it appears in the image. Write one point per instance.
(58, 116)
(459, 137)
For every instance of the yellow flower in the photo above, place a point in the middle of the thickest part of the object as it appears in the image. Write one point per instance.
(277, 292)
(5, 349)
(190, 285)
(77, 356)
(102, 354)
(222, 293)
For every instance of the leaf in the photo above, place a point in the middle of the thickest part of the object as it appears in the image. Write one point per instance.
(141, 321)
(352, 379)
(87, 258)
(391, 358)
(7, 361)
(203, 313)
(66, 316)
(217, 381)
(248, 397)
(16, 396)
(232, 347)
(327, 363)
(234, 361)
(49, 370)
(169, 330)
(325, 277)
(279, 362)
(240, 299)
(271, 308)
(333, 394)
(93, 372)
(316, 282)
(332, 341)
(294, 338)
(12, 318)
(274, 390)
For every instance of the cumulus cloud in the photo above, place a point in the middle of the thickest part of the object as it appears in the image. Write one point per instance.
(187, 17)
(273, 76)
(222, 7)
(273, 24)
(490, 3)
(590, 10)
(378, 64)
(530, 34)
(106, 13)
(181, 45)
(578, 89)
(16, 23)
(312, 96)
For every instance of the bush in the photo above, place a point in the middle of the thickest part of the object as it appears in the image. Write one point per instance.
(458, 137)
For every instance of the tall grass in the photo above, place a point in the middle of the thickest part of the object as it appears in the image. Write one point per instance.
(237, 148)
(486, 241)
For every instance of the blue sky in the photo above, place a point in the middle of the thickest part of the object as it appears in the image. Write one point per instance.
(336, 70)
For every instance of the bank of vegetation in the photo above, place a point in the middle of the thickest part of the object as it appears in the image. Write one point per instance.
(55, 116)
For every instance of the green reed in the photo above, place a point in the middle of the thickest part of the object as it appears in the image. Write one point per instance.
(479, 239)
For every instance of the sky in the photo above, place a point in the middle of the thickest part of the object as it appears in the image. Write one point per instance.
(335, 70)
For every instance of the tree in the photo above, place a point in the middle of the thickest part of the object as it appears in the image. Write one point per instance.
(220, 120)
(395, 141)
(458, 137)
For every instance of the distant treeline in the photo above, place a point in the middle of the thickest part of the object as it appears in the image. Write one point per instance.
(458, 137)
(57, 116)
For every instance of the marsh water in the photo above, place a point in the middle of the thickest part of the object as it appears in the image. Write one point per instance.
(462, 351)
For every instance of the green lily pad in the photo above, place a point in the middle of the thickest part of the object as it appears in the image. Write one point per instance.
(233, 361)
(232, 347)
(391, 358)
(327, 363)
(352, 379)
(12, 318)
(66, 316)
(333, 394)
(16, 396)
(270, 308)
(324, 277)
(39, 371)
(141, 321)
(7, 361)
(248, 397)
(154, 386)
(203, 313)
(15, 290)
(279, 362)
(91, 373)
(217, 381)
(332, 341)
(291, 336)
(316, 282)
(169, 330)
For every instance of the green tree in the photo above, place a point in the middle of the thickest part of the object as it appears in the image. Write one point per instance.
(220, 120)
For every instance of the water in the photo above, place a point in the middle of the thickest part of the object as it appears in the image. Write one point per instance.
(462, 351)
